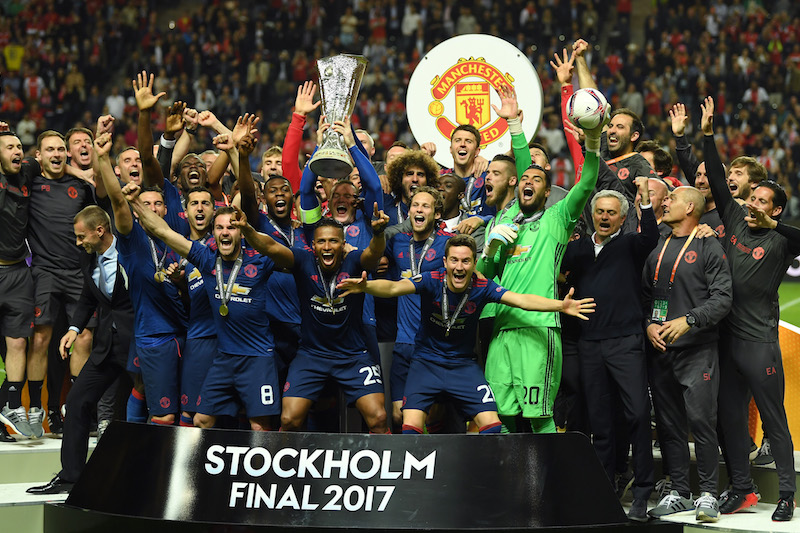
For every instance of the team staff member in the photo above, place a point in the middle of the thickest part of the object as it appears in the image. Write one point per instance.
(235, 280)
(686, 285)
(332, 344)
(759, 249)
(608, 266)
(525, 252)
(16, 284)
(411, 253)
(56, 198)
(105, 288)
(443, 362)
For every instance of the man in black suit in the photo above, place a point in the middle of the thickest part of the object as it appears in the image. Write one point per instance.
(105, 288)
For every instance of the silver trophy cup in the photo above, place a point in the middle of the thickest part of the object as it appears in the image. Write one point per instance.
(339, 82)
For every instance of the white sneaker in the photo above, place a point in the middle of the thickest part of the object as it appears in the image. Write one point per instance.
(707, 508)
(35, 419)
(17, 419)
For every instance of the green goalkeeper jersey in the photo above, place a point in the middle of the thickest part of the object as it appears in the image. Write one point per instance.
(531, 264)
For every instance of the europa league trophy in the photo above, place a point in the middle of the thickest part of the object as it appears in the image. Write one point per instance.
(339, 81)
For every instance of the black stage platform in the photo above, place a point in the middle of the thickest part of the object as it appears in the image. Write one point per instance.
(153, 479)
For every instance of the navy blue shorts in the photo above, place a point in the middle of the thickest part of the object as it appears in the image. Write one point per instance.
(160, 374)
(357, 375)
(401, 359)
(198, 355)
(234, 380)
(133, 366)
(461, 380)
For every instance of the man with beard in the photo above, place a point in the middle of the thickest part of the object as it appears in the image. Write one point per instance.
(759, 250)
(235, 278)
(16, 283)
(694, 170)
(465, 144)
(410, 253)
(332, 345)
(525, 252)
(160, 316)
(406, 172)
(452, 298)
(55, 264)
(343, 208)
(283, 306)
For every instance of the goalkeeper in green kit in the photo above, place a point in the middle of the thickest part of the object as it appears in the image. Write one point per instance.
(523, 251)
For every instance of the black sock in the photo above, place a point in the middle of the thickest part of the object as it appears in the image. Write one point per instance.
(786, 495)
(35, 393)
(15, 394)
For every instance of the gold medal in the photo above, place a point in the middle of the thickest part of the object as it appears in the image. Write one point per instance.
(160, 276)
(223, 310)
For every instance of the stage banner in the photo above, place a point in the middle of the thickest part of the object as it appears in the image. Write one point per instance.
(347, 480)
(456, 82)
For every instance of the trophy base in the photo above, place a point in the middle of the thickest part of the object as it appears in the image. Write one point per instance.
(331, 163)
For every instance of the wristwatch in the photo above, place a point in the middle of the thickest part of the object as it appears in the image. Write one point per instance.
(691, 320)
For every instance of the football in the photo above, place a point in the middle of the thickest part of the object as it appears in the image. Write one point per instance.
(587, 108)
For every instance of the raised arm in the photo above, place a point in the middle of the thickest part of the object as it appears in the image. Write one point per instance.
(686, 158)
(372, 254)
(564, 67)
(123, 220)
(585, 80)
(714, 169)
(509, 110)
(245, 145)
(146, 101)
(382, 288)
(579, 194)
(370, 182)
(282, 256)
(534, 302)
(154, 224)
(290, 156)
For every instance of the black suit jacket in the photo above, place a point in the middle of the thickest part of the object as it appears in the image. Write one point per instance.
(117, 311)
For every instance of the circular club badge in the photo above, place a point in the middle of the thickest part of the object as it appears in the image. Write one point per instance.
(456, 83)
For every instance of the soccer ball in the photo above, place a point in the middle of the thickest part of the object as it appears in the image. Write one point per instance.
(588, 108)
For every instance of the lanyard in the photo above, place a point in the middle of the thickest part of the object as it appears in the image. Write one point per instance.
(224, 290)
(400, 216)
(620, 158)
(508, 206)
(678, 260)
(415, 265)
(288, 238)
(520, 218)
(329, 288)
(450, 320)
(160, 275)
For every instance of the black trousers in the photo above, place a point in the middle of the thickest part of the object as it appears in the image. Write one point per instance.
(90, 385)
(757, 367)
(612, 369)
(685, 388)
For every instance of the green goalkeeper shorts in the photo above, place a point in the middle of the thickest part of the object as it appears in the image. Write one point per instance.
(523, 367)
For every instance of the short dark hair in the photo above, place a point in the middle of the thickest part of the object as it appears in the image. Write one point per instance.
(779, 198)
(546, 173)
(662, 160)
(277, 177)
(327, 222)
(756, 172)
(503, 158)
(540, 146)
(201, 189)
(468, 128)
(153, 189)
(224, 210)
(461, 240)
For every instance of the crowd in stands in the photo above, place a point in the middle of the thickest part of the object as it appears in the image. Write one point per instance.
(237, 56)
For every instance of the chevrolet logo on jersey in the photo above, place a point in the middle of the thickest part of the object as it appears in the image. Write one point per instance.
(518, 250)
(239, 290)
(405, 274)
(438, 319)
(194, 274)
(321, 300)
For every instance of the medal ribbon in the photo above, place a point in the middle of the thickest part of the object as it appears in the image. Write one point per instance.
(289, 239)
(224, 290)
(450, 320)
(329, 288)
(415, 265)
(157, 263)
